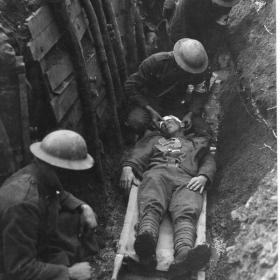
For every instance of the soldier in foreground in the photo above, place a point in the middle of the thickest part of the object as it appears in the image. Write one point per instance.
(175, 168)
(32, 246)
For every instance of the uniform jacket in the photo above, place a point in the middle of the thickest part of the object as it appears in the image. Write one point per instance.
(30, 201)
(159, 73)
(193, 19)
(190, 153)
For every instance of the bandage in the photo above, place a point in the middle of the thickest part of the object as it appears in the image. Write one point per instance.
(170, 117)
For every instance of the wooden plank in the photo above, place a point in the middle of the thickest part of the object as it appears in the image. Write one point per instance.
(39, 21)
(24, 114)
(62, 103)
(101, 107)
(73, 117)
(201, 224)
(201, 232)
(93, 70)
(59, 71)
(80, 24)
(74, 8)
(41, 45)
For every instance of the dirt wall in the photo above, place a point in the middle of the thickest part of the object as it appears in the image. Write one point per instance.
(242, 219)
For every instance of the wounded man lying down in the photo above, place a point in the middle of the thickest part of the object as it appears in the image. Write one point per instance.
(175, 168)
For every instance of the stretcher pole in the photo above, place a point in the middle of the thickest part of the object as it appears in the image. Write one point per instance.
(201, 232)
(129, 222)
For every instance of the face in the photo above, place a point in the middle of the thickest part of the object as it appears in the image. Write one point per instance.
(170, 127)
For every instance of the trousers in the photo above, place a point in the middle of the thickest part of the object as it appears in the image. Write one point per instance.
(163, 188)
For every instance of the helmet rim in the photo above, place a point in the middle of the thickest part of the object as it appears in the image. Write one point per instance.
(182, 63)
(81, 164)
(225, 3)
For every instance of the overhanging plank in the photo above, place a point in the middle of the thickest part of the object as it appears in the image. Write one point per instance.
(73, 117)
(59, 71)
(80, 24)
(41, 45)
(39, 21)
(62, 103)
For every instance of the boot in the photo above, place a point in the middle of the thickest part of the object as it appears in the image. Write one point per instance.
(189, 260)
(145, 248)
(146, 240)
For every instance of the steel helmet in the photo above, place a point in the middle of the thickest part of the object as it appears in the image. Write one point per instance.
(63, 148)
(190, 55)
(225, 3)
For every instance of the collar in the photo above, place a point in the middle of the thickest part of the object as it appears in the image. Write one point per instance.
(48, 182)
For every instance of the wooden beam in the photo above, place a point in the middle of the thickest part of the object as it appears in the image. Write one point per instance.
(62, 103)
(201, 232)
(73, 117)
(58, 72)
(85, 93)
(73, 9)
(24, 114)
(80, 24)
(117, 40)
(201, 224)
(104, 65)
(93, 70)
(42, 44)
(39, 21)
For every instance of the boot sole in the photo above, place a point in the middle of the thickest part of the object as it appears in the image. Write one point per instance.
(145, 248)
(197, 258)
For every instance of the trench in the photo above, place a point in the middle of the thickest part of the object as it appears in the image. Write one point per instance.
(244, 187)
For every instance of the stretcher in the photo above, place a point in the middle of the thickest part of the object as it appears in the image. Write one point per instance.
(165, 245)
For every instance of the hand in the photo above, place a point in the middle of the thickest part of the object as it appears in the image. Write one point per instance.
(88, 219)
(80, 271)
(187, 120)
(156, 117)
(127, 178)
(197, 183)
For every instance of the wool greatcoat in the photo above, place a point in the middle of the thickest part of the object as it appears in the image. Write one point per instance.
(161, 83)
(166, 165)
(31, 246)
(196, 19)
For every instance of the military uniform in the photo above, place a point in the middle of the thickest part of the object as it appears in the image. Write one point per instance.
(166, 166)
(32, 246)
(196, 19)
(162, 84)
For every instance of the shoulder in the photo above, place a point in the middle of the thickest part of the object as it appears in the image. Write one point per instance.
(21, 187)
(157, 58)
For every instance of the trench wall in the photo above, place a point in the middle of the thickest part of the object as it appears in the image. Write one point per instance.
(242, 224)
(54, 86)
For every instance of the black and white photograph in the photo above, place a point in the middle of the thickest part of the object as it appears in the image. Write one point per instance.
(138, 139)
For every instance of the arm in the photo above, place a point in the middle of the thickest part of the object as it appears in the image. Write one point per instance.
(136, 163)
(88, 216)
(20, 226)
(208, 167)
(139, 157)
(136, 84)
(205, 175)
(69, 201)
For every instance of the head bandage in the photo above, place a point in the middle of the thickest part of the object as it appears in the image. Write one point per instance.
(170, 117)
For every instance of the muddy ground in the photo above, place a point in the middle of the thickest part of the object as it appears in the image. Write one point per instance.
(241, 220)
